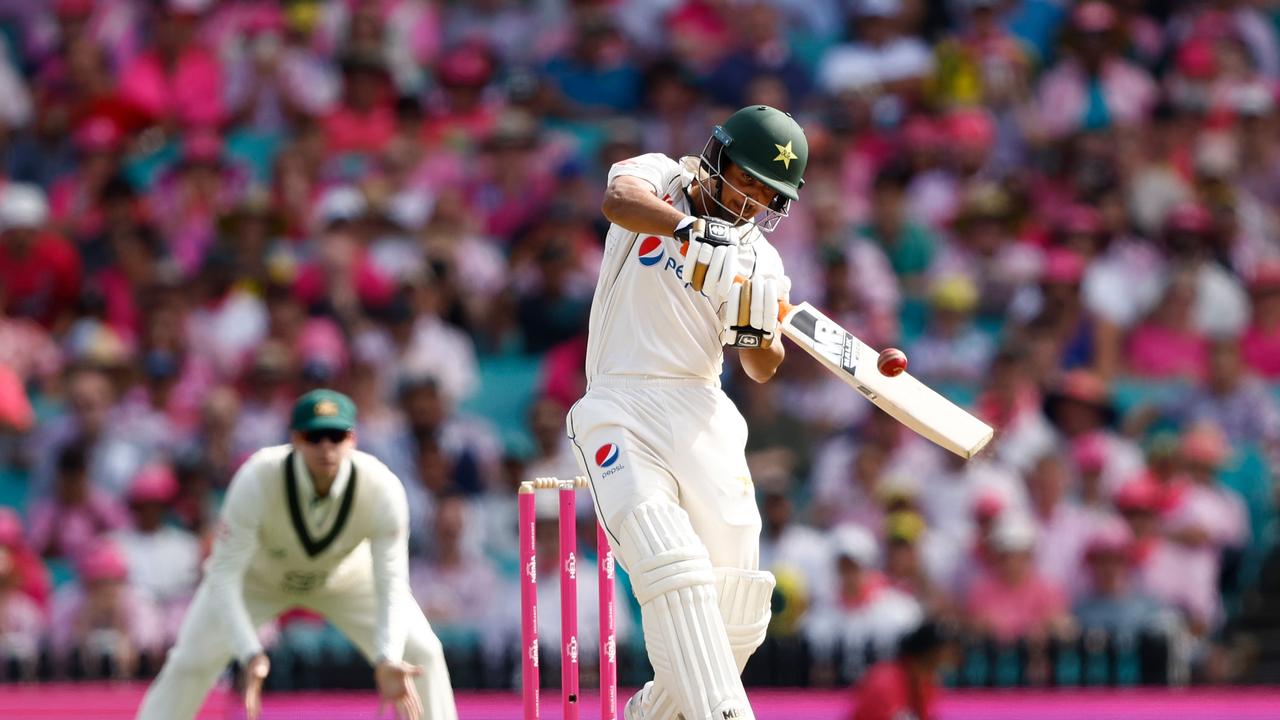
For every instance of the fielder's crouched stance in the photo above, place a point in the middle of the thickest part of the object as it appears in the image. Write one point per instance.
(319, 525)
(661, 443)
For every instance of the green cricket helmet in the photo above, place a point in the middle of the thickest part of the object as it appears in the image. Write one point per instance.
(767, 143)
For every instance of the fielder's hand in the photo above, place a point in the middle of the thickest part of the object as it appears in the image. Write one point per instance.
(395, 686)
(750, 316)
(255, 671)
(711, 257)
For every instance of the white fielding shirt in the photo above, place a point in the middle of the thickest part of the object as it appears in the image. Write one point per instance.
(644, 320)
(358, 534)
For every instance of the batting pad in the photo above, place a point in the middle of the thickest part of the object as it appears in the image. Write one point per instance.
(746, 607)
(684, 633)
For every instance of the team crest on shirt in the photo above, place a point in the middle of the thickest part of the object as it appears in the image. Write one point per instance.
(650, 251)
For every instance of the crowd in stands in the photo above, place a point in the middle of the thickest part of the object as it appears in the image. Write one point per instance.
(1064, 212)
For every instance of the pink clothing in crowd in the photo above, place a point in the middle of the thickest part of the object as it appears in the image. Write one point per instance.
(68, 531)
(1128, 90)
(1261, 351)
(1167, 353)
(77, 615)
(1062, 539)
(190, 93)
(1184, 580)
(347, 130)
(1010, 613)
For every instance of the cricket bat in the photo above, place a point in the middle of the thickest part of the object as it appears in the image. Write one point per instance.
(904, 397)
(908, 400)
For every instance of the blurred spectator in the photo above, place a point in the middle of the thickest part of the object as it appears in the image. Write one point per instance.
(949, 495)
(70, 522)
(28, 571)
(1015, 601)
(884, 55)
(1167, 345)
(39, 270)
(861, 613)
(1062, 526)
(163, 560)
(176, 80)
(983, 63)
(1093, 86)
(952, 348)
(22, 625)
(276, 77)
(364, 120)
(1080, 405)
(909, 245)
(909, 685)
(1111, 602)
(787, 546)
(761, 51)
(553, 451)
(341, 280)
(1234, 401)
(1160, 565)
(102, 625)
(595, 74)
(983, 249)
(912, 560)
(1207, 518)
(455, 584)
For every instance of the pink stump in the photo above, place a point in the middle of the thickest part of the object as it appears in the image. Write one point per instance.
(529, 680)
(608, 644)
(569, 599)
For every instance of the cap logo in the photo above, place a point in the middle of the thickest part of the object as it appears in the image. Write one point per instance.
(326, 408)
(785, 154)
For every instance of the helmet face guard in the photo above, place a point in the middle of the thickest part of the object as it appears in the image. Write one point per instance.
(712, 181)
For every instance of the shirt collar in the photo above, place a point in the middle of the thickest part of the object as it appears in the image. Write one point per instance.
(307, 491)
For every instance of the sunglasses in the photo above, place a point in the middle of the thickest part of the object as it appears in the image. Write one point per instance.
(315, 437)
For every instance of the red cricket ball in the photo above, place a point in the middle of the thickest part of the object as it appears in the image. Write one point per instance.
(892, 362)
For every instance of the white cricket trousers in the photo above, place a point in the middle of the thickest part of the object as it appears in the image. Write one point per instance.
(202, 651)
(677, 440)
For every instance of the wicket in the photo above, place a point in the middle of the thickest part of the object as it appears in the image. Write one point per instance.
(529, 679)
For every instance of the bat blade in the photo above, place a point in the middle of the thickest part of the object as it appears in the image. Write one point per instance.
(908, 400)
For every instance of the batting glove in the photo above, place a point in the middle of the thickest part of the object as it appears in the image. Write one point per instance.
(750, 316)
(710, 257)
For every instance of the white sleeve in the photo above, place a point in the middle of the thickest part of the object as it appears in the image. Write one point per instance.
(390, 550)
(654, 168)
(233, 548)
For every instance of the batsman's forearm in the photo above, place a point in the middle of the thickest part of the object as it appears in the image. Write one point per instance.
(760, 364)
(631, 204)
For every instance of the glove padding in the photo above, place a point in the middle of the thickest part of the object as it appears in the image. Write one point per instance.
(750, 315)
(710, 257)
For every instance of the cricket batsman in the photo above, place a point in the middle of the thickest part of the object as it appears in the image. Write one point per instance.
(663, 446)
(319, 525)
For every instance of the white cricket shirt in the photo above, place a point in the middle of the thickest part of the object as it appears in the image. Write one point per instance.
(276, 538)
(645, 321)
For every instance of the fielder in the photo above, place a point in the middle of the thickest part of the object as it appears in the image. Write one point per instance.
(320, 525)
(663, 446)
